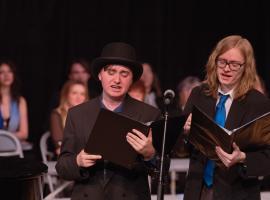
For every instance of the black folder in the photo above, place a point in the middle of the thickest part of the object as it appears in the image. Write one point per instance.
(108, 136)
(174, 129)
(205, 134)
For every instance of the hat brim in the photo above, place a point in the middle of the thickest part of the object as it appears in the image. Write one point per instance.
(101, 62)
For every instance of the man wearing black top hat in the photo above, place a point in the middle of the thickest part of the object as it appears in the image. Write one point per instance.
(116, 69)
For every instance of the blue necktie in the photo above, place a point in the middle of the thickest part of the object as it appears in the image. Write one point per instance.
(220, 118)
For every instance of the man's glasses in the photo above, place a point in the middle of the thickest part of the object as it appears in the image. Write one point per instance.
(233, 65)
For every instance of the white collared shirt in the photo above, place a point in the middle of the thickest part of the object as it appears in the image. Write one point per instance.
(229, 101)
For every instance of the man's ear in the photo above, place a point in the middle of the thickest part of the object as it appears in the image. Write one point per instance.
(99, 76)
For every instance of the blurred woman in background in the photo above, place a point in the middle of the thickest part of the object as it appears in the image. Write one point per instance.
(184, 89)
(152, 85)
(13, 106)
(72, 93)
(137, 90)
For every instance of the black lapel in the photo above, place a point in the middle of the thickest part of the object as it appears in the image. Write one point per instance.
(208, 105)
(129, 107)
(92, 113)
(236, 114)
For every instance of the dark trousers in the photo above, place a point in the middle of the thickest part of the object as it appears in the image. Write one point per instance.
(207, 193)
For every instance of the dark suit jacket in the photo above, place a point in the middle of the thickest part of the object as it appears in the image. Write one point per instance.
(94, 182)
(237, 182)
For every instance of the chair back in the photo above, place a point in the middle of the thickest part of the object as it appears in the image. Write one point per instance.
(10, 144)
(45, 154)
(51, 176)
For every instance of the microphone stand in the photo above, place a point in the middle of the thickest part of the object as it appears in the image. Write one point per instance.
(160, 188)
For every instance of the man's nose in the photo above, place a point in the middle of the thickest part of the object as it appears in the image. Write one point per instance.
(117, 78)
(227, 67)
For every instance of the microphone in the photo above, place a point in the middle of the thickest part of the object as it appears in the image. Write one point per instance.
(168, 96)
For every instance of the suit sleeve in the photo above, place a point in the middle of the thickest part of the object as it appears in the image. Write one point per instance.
(190, 101)
(66, 166)
(257, 164)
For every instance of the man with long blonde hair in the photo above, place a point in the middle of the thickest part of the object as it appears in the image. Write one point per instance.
(228, 96)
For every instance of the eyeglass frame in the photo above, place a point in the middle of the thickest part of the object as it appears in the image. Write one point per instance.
(229, 63)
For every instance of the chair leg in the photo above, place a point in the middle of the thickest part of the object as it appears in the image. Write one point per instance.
(50, 183)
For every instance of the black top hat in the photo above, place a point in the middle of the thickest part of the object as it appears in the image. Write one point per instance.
(117, 53)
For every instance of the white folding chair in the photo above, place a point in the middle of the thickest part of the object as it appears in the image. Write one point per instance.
(265, 195)
(10, 144)
(56, 186)
(177, 165)
(51, 177)
(54, 195)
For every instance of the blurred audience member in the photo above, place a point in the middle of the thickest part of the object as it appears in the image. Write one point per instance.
(152, 85)
(72, 94)
(13, 106)
(79, 71)
(184, 89)
(137, 90)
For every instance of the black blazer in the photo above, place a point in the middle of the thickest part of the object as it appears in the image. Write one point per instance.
(93, 182)
(237, 182)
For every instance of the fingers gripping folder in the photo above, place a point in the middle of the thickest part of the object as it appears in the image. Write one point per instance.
(108, 136)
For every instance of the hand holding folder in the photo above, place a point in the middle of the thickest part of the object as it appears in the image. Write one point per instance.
(205, 134)
(108, 136)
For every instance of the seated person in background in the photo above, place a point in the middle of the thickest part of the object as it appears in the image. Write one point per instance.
(152, 85)
(184, 89)
(79, 71)
(13, 107)
(137, 90)
(72, 94)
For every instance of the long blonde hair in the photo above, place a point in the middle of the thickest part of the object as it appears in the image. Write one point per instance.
(248, 78)
(62, 109)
